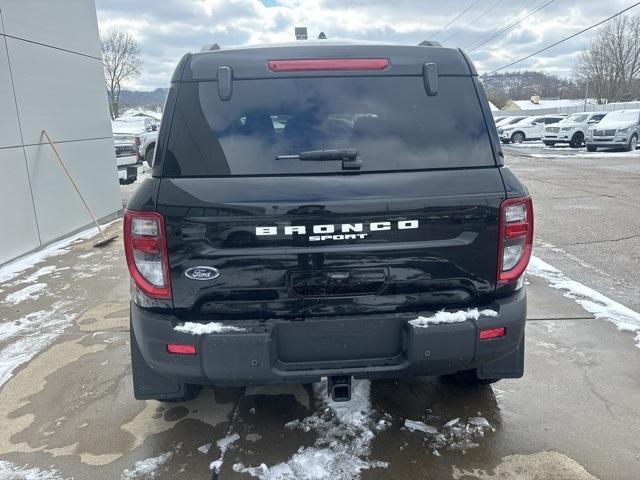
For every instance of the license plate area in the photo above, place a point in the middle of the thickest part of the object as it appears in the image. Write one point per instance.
(339, 340)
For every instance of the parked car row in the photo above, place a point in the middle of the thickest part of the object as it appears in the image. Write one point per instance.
(617, 129)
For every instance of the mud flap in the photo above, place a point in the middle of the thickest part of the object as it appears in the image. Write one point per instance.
(149, 385)
(511, 366)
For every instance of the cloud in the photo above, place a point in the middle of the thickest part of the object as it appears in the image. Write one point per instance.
(170, 28)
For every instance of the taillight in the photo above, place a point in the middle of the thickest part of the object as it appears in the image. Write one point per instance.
(328, 64)
(516, 238)
(145, 247)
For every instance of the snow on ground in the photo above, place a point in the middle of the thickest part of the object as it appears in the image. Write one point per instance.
(594, 302)
(11, 471)
(24, 337)
(344, 432)
(31, 334)
(452, 317)
(12, 269)
(206, 328)
(223, 445)
(454, 434)
(146, 468)
(32, 292)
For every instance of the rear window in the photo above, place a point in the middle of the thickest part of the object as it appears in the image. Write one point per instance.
(390, 121)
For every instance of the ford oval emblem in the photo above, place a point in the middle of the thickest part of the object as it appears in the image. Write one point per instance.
(202, 273)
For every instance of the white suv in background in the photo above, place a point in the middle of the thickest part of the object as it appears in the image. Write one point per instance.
(572, 130)
(619, 129)
(529, 128)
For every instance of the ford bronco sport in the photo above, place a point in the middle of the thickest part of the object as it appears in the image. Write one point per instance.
(310, 216)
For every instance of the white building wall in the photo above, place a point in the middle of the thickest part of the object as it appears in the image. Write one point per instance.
(51, 78)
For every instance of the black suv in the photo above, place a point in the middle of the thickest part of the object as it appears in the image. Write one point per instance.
(311, 214)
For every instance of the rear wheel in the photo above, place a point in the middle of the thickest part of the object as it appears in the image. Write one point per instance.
(591, 148)
(517, 137)
(633, 143)
(576, 140)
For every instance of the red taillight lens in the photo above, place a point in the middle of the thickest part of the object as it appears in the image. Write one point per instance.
(145, 247)
(179, 349)
(328, 64)
(492, 333)
(516, 238)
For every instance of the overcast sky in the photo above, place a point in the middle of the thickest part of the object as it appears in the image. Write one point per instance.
(167, 29)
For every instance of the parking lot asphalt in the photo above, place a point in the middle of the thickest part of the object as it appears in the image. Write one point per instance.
(67, 408)
(588, 214)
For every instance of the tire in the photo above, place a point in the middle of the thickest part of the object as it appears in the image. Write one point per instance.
(576, 140)
(633, 143)
(468, 378)
(517, 137)
(149, 155)
(550, 144)
(591, 148)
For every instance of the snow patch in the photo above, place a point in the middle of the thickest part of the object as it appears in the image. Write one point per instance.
(32, 333)
(344, 431)
(32, 292)
(417, 426)
(146, 468)
(204, 448)
(455, 434)
(206, 328)
(223, 444)
(11, 471)
(452, 317)
(594, 302)
(12, 269)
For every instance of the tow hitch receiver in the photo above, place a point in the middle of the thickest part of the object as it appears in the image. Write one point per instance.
(340, 388)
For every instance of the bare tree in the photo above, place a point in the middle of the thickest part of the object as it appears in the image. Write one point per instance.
(611, 64)
(121, 59)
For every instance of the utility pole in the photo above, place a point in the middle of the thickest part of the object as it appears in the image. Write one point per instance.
(586, 94)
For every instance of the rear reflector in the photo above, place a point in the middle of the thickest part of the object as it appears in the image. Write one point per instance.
(179, 349)
(328, 64)
(492, 333)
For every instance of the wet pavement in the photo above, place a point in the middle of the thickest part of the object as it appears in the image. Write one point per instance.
(67, 408)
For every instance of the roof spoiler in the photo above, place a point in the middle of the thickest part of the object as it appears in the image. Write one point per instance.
(429, 43)
(209, 47)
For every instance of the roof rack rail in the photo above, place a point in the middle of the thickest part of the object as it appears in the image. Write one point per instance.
(210, 47)
(429, 43)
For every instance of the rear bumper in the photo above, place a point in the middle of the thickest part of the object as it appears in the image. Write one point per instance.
(282, 351)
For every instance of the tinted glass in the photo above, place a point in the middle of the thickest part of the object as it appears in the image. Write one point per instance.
(578, 118)
(390, 121)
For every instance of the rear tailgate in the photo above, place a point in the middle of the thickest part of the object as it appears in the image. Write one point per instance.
(423, 240)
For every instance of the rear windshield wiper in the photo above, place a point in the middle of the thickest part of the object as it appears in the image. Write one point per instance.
(348, 156)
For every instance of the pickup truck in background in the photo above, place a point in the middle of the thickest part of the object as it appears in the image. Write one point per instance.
(126, 158)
